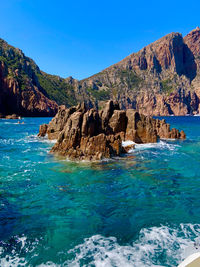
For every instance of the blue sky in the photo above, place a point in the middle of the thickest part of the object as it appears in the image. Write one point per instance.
(81, 38)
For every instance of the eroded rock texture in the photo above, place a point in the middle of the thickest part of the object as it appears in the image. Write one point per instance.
(88, 134)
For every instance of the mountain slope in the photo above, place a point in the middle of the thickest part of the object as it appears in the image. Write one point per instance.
(28, 91)
(20, 91)
(161, 79)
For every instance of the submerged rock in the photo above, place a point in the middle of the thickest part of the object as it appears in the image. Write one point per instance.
(88, 134)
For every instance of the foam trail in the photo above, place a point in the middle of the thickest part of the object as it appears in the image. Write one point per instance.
(155, 247)
(171, 243)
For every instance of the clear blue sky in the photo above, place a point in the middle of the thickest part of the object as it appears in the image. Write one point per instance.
(80, 38)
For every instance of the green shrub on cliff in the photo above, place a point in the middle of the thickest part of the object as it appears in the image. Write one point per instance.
(132, 79)
(99, 94)
(57, 89)
(166, 86)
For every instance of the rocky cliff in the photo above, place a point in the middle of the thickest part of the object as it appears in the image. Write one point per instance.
(28, 91)
(86, 134)
(163, 78)
(20, 91)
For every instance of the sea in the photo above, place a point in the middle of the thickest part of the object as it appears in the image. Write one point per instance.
(142, 209)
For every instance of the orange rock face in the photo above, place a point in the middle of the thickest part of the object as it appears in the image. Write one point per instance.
(84, 134)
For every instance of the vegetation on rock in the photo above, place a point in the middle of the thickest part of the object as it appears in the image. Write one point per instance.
(57, 89)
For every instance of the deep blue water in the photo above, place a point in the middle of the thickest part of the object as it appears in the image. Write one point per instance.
(140, 210)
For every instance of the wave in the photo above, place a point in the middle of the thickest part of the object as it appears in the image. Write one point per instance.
(127, 143)
(14, 259)
(26, 140)
(11, 123)
(156, 246)
(35, 138)
(162, 145)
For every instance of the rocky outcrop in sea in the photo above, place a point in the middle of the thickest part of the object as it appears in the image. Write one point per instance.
(88, 134)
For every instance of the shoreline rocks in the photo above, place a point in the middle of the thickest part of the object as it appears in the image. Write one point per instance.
(88, 134)
(10, 117)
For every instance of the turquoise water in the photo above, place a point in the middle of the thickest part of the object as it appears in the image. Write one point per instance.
(141, 210)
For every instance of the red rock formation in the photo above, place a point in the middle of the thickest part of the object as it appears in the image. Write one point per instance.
(91, 135)
(163, 78)
(28, 102)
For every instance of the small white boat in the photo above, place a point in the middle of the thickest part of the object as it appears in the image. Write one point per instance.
(191, 261)
(192, 254)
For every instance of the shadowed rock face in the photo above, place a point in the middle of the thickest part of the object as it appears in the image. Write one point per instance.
(20, 90)
(86, 134)
(28, 102)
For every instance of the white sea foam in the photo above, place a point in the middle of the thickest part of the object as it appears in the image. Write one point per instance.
(7, 141)
(14, 258)
(172, 244)
(15, 123)
(35, 138)
(46, 140)
(159, 145)
(100, 251)
(13, 261)
(151, 244)
(162, 144)
(127, 143)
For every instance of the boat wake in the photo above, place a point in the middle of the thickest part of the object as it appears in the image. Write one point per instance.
(155, 246)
